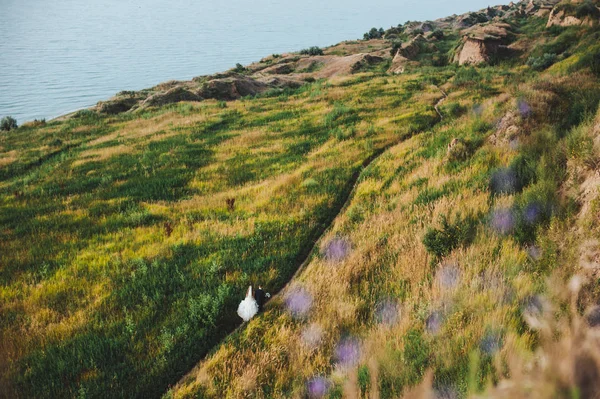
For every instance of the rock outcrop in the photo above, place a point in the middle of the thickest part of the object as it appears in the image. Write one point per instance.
(118, 104)
(174, 95)
(507, 129)
(231, 88)
(412, 48)
(477, 51)
(569, 15)
(482, 42)
(399, 64)
(365, 62)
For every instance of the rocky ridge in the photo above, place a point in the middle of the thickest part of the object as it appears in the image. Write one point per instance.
(483, 36)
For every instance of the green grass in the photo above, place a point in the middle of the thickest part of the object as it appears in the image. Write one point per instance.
(122, 264)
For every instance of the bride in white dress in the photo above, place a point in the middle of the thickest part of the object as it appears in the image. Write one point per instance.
(248, 307)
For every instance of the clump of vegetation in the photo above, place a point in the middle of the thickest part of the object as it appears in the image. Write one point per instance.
(396, 45)
(438, 34)
(590, 59)
(8, 123)
(543, 62)
(314, 50)
(467, 76)
(239, 68)
(440, 242)
(454, 109)
(374, 33)
(587, 9)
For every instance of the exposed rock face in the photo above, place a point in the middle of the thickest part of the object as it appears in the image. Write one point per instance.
(231, 88)
(279, 69)
(412, 48)
(174, 95)
(366, 61)
(482, 42)
(470, 19)
(117, 104)
(398, 64)
(477, 51)
(561, 16)
(507, 129)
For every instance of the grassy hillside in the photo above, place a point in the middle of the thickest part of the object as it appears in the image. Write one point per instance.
(122, 262)
(455, 269)
(127, 241)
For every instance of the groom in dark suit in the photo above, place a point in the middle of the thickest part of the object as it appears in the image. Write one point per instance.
(260, 297)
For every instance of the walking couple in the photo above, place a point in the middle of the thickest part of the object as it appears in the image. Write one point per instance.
(252, 304)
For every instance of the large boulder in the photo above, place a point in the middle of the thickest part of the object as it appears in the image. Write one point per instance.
(280, 69)
(477, 51)
(365, 62)
(117, 104)
(413, 47)
(399, 63)
(482, 42)
(174, 95)
(231, 88)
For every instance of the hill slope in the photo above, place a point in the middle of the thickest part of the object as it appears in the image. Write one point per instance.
(127, 240)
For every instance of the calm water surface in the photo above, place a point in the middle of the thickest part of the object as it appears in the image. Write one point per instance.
(61, 55)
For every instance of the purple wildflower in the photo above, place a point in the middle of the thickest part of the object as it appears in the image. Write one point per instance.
(503, 221)
(298, 302)
(337, 249)
(387, 312)
(317, 387)
(347, 353)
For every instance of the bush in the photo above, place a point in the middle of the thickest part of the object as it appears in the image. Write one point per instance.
(591, 60)
(239, 68)
(374, 33)
(454, 110)
(467, 76)
(587, 8)
(364, 380)
(8, 123)
(440, 242)
(438, 34)
(543, 62)
(314, 50)
(396, 45)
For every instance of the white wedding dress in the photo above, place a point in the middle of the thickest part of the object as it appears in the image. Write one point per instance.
(248, 307)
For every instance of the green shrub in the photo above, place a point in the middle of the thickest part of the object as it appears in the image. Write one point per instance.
(453, 110)
(8, 123)
(440, 242)
(562, 43)
(239, 68)
(543, 62)
(587, 8)
(591, 60)
(467, 76)
(396, 45)
(374, 33)
(533, 209)
(314, 50)
(364, 380)
(416, 356)
(438, 34)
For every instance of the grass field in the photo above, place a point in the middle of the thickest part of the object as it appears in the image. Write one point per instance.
(121, 260)
(127, 242)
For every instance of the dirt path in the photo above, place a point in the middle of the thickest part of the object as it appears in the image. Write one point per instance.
(354, 181)
(440, 101)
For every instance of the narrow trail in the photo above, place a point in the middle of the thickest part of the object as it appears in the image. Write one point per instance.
(354, 182)
(440, 101)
